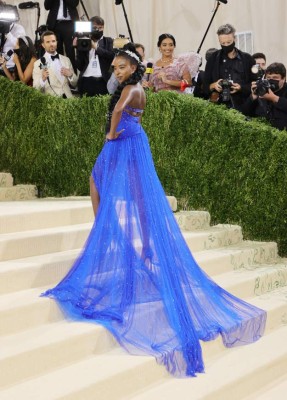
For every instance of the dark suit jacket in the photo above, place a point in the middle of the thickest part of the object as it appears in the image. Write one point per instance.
(212, 72)
(275, 113)
(105, 53)
(53, 7)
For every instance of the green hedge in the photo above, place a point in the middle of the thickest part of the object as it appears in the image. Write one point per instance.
(208, 157)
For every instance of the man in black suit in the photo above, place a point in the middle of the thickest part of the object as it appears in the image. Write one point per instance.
(94, 64)
(61, 18)
(228, 74)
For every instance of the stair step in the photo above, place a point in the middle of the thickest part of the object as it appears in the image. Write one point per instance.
(36, 242)
(50, 346)
(193, 220)
(246, 283)
(117, 375)
(41, 214)
(44, 241)
(114, 375)
(18, 192)
(25, 309)
(48, 269)
(217, 236)
(233, 375)
(244, 255)
(276, 390)
(6, 179)
(36, 271)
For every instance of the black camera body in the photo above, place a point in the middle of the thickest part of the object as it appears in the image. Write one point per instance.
(263, 86)
(226, 86)
(84, 42)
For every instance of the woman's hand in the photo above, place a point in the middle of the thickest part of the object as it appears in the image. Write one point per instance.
(162, 76)
(112, 136)
(146, 84)
(16, 59)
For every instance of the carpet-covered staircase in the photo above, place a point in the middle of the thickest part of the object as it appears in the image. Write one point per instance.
(44, 357)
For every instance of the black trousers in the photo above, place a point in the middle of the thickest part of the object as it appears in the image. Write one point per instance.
(64, 31)
(91, 86)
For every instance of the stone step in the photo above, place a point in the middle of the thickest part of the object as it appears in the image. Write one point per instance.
(36, 271)
(276, 390)
(40, 350)
(244, 255)
(114, 375)
(233, 375)
(25, 309)
(220, 235)
(48, 269)
(6, 179)
(41, 214)
(193, 220)
(117, 375)
(260, 280)
(44, 241)
(18, 192)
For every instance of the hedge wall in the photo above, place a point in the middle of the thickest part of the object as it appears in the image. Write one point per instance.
(207, 156)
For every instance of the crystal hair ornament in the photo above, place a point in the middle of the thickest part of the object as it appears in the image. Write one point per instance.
(133, 55)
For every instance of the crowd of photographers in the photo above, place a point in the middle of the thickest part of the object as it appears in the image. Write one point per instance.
(231, 76)
(243, 82)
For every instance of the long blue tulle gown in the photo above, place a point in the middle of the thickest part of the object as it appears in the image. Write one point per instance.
(136, 275)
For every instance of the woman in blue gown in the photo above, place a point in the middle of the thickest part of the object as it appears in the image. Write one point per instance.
(136, 275)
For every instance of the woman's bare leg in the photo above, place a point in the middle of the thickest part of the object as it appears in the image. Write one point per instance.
(94, 196)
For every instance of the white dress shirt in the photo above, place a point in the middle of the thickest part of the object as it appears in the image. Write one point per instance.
(60, 16)
(93, 68)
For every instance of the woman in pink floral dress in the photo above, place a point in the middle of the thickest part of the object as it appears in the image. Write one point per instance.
(171, 72)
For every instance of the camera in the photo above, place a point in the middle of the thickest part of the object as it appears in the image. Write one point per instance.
(263, 86)
(83, 30)
(226, 86)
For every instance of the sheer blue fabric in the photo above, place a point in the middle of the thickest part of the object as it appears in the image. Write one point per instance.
(137, 277)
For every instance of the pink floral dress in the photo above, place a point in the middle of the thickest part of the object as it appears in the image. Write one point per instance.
(187, 62)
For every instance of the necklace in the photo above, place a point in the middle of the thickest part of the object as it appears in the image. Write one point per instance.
(166, 61)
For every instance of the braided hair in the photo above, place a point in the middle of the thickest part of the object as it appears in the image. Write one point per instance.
(128, 52)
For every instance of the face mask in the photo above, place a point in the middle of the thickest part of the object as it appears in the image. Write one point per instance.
(17, 51)
(228, 49)
(96, 35)
(274, 85)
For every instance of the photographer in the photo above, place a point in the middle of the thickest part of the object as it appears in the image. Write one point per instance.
(228, 76)
(94, 63)
(9, 34)
(268, 98)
